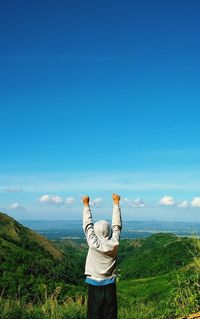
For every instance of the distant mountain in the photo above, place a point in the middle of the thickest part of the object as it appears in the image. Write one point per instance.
(28, 262)
(58, 229)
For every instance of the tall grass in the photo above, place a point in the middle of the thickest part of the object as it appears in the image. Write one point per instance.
(50, 308)
(186, 298)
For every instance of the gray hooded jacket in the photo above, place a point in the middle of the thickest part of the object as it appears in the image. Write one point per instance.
(103, 244)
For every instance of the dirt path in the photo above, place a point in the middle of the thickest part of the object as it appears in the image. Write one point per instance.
(193, 316)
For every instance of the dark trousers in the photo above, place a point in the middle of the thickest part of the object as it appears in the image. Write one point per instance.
(102, 302)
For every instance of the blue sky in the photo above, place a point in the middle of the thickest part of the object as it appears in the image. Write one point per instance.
(100, 97)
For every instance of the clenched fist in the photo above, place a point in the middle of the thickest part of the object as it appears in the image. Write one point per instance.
(116, 198)
(86, 200)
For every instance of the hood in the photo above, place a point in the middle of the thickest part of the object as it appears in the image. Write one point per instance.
(102, 228)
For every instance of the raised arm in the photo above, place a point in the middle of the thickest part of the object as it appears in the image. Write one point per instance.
(116, 217)
(87, 214)
(88, 226)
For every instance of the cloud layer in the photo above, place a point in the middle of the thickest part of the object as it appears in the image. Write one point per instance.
(166, 200)
(102, 181)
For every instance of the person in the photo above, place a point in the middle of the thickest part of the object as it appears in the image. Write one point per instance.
(100, 267)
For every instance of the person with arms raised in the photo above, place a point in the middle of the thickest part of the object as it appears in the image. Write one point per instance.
(100, 267)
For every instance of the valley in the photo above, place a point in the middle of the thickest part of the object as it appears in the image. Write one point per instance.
(158, 275)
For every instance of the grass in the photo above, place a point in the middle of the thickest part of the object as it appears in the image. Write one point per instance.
(140, 298)
(146, 297)
(70, 308)
(162, 297)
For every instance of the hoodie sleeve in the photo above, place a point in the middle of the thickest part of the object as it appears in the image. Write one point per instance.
(88, 228)
(116, 222)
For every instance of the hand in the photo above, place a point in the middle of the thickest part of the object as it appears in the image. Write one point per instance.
(116, 198)
(86, 200)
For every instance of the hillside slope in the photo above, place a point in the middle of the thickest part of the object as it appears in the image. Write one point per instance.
(155, 255)
(29, 262)
(14, 232)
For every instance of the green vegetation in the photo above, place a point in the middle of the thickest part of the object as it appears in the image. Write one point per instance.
(146, 297)
(155, 255)
(29, 261)
(158, 276)
(70, 308)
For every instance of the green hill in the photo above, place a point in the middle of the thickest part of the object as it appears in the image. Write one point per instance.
(155, 255)
(12, 231)
(41, 279)
(29, 262)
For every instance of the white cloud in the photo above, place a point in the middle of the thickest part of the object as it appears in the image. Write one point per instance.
(167, 201)
(97, 202)
(183, 204)
(13, 190)
(16, 206)
(57, 200)
(44, 199)
(139, 202)
(195, 202)
(69, 200)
